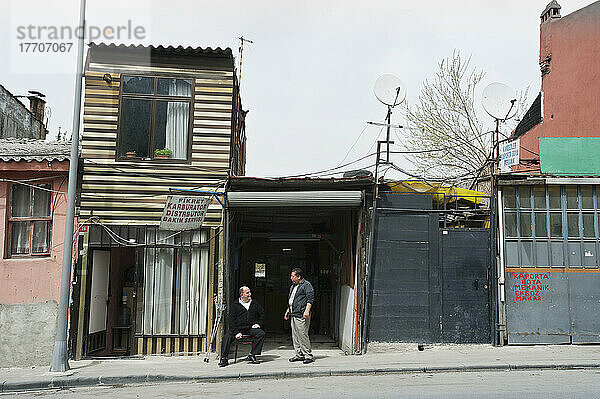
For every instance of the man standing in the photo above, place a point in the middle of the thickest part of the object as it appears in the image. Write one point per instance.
(300, 301)
(245, 317)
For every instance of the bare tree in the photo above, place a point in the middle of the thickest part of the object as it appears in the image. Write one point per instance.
(445, 118)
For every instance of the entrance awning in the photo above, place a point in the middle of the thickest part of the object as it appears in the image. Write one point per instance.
(269, 199)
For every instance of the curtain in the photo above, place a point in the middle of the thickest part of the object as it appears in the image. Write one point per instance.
(163, 291)
(19, 238)
(199, 286)
(178, 117)
(148, 287)
(183, 300)
(20, 201)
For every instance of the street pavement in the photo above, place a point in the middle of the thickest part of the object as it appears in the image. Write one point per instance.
(381, 359)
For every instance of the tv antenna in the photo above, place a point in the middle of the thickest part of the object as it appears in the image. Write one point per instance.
(390, 91)
(242, 41)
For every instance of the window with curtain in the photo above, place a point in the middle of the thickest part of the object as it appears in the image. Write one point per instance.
(175, 283)
(29, 220)
(155, 117)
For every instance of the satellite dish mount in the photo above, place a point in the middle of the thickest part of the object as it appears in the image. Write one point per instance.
(390, 91)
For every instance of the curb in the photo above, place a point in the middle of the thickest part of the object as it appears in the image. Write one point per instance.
(78, 382)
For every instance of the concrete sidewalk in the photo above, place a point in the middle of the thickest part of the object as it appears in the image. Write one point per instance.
(381, 358)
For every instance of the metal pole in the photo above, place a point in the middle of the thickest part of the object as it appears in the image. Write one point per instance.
(60, 360)
(370, 256)
(493, 238)
(389, 119)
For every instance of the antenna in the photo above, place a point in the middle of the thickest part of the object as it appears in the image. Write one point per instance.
(390, 91)
(242, 40)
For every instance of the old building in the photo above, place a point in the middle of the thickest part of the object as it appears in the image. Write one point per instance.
(156, 121)
(549, 236)
(33, 186)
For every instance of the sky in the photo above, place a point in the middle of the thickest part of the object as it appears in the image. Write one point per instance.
(308, 76)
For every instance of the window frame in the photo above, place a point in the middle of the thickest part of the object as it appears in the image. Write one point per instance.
(154, 98)
(10, 221)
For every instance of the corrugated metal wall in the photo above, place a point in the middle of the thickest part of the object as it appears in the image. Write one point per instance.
(124, 192)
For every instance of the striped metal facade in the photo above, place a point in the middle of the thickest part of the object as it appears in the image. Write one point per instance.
(133, 192)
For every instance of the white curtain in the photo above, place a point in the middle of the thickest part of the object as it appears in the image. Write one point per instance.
(148, 288)
(183, 301)
(178, 118)
(163, 291)
(199, 286)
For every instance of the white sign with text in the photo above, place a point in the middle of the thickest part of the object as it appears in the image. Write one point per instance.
(509, 155)
(184, 213)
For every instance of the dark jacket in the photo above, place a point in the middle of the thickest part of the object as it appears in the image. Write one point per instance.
(305, 294)
(241, 319)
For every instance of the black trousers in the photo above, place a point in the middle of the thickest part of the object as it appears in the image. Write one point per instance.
(257, 333)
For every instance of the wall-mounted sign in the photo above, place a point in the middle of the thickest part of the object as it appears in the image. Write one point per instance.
(509, 155)
(184, 213)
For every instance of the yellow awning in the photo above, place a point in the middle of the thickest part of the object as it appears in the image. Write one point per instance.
(438, 191)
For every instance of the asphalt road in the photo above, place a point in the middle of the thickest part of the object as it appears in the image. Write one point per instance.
(510, 384)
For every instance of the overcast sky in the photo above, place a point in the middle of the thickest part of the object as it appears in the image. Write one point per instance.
(308, 77)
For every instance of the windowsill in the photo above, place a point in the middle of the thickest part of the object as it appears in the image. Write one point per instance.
(157, 160)
(28, 257)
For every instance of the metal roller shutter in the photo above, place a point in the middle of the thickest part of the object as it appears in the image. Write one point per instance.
(265, 199)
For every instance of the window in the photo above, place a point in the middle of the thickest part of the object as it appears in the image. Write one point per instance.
(155, 117)
(29, 220)
(544, 224)
(175, 280)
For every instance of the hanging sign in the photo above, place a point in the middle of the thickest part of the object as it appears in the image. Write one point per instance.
(184, 213)
(509, 155)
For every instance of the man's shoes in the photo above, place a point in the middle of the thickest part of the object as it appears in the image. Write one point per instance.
(252, 359)
(296, 359)
(308, 360)
(223, 363)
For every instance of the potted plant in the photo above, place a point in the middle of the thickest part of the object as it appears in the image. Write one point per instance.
(165, 153)
(131, 154)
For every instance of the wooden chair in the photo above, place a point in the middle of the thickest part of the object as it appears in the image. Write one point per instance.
(245, 340)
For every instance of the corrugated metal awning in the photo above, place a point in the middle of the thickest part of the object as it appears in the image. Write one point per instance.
(267, 199)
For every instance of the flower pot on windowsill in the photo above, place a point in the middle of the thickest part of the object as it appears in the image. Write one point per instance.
(131, 154)
(161, 156)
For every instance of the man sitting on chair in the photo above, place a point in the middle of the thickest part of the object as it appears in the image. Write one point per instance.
(245, 317)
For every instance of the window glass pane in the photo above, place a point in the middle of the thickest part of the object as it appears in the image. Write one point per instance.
(508, 195)
(19, 238)
(587, 199)
(539, 197)
(19, 201)
(572, 197)
(525, 197)
(556, 225)
(41, 201)
(525, 224)
(510, 224)
(41, 237)
(573, 224)
(588, 225)
(135, 126)
(554, 197)
(182, 305)
(172, 125)
(540, 225)
(175, 87)
(138, 84)
(163, 291)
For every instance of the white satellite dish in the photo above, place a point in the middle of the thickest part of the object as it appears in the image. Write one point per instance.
(389, 90)
(499, 101)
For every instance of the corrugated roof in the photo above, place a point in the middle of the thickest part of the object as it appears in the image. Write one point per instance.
(18, 149)
(239, 183)
(216, 52)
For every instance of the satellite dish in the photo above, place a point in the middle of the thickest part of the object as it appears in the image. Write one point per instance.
(389, 90)
(499, 101)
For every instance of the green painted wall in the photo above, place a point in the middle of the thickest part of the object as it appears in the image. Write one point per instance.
(570, 156)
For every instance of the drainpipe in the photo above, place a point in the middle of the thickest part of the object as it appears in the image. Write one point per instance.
(60, 360)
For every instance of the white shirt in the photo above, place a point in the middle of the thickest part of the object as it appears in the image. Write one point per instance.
(247, 304)
(293, 295)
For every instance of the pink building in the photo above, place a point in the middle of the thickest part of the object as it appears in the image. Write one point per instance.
(33, 186)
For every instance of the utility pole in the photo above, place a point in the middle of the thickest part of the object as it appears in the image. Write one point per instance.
(60, 360)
